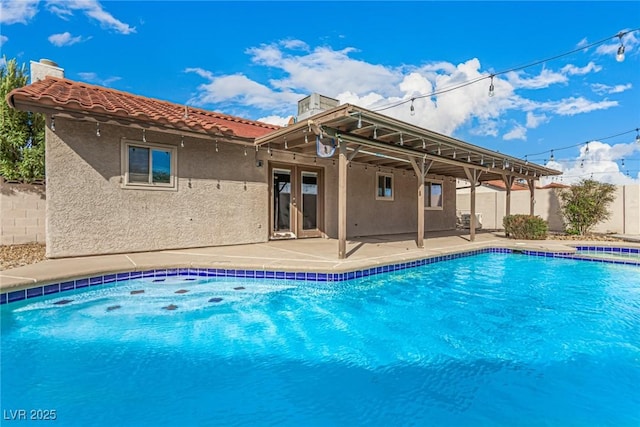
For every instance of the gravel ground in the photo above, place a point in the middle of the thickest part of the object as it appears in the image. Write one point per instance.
(12, 256)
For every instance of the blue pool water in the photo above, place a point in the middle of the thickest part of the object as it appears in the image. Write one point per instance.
(488, 340)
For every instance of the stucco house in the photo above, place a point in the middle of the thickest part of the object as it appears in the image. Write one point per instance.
(128, 173)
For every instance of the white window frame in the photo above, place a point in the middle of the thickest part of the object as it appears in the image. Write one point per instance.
(386, 175)
(427, 194)
(172, 185)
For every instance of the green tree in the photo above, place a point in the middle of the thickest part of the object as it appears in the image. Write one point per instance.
(586, 204)
(21, 133)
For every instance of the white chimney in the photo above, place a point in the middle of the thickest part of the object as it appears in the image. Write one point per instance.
(44, 68)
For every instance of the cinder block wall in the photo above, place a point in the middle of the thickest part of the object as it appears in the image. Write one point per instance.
(22, 213)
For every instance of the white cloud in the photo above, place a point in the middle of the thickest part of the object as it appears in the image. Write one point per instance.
(275, 120)
(602, 162)
(518, 132)
(545, 79)
(572, 106)
(22, 11)
(3, 40)
(240, 89)
(18, 11)
(572, 70)
(602, 89)
(302, 70)
(534, 121)
(3, 61)
(91, 8)
(91, 77)
(64, 39)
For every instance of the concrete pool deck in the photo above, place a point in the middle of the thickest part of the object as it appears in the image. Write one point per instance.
(303, 255)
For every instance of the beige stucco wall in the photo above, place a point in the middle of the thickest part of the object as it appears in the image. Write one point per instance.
(221, 197)
(367, 216)
(625, 210)
(22, 213)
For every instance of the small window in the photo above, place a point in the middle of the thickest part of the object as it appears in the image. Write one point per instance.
(433, 195)
(385, 187)
(149, 165)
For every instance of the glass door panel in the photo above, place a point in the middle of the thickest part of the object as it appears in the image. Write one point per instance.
(281, 200)
(309, 200)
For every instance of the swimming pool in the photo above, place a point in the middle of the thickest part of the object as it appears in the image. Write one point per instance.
(493, 339)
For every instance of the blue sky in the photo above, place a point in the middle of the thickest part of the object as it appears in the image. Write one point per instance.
(256, 59)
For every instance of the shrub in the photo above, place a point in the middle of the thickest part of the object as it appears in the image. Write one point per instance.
(586, 204)
(526, 227)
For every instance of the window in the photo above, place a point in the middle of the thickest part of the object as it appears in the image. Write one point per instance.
(148, 165)
(433, 195)
(385, 186)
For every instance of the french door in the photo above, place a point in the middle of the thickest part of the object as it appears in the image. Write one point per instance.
(296, 201)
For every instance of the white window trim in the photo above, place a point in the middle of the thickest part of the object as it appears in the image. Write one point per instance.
(124, 162)
(427, 192)
(388, 199)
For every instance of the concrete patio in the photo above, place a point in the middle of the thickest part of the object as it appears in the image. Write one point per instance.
(319, 255)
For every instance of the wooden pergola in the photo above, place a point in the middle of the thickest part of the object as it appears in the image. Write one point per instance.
(364, 136)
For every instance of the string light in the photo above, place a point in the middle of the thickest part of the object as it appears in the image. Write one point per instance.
(217, 147)
(620, 53)
(552, 158)
(245, 151)
(622, 163)
(144, 136)
(412, 109)
(637, 130)
(286, 146)
(182, 141)
(97, 129)
(526, 160)
(490, 76)
(491, 87)
(306, 139)
(360, 121)
(53, 123)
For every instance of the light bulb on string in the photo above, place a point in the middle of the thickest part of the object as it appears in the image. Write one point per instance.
(582, 163)
(144, 136)
(491, 87)
(217, 147)
(637, 136)
(286, 146)
(622, 162)
(526, 160)
(53, 123)
(586, 147)
(620, 53)
(412, 109)
(182, 141)
(552, 158)
(97, 129)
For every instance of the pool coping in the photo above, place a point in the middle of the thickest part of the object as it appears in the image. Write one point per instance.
(33, 290)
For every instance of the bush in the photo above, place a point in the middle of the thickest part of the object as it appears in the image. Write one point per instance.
(526, 227)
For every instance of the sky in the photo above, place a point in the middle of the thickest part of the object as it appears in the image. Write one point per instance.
(257, 59)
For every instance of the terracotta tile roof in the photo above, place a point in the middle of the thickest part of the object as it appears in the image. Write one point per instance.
(554, 185)
(68, 95)
(499, 184)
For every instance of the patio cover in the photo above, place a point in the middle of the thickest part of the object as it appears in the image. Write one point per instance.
(364, 136)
